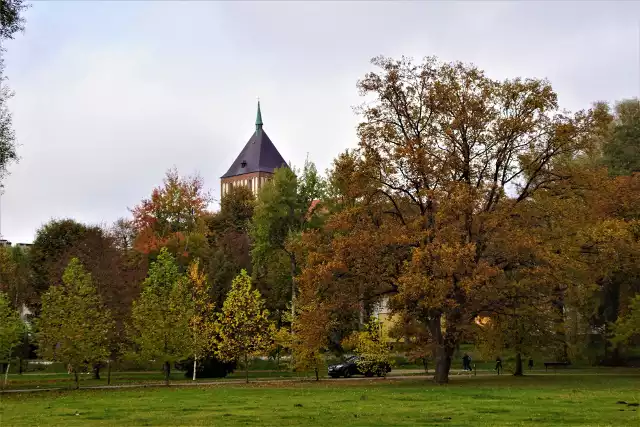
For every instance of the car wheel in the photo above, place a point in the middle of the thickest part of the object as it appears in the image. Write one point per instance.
(347, 373)
(335, 376)
(368, 374)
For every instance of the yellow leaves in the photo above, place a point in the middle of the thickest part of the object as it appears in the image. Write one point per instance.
(74, 325)
(243, 326)
(372, 345)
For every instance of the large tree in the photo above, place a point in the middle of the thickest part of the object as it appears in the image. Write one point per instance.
(116, 273)
(621, 152)
(285, 207)
(16, 278)
(52, 240)
(243, 326)
(74, 325)
(11, 22)
(160, 318)
(173, 217)
(447, 158)
(228, 240)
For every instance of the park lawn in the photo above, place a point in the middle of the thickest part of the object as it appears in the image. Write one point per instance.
(66, 381)
(556, 399)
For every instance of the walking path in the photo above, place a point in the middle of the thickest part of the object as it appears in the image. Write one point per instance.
(405, 374)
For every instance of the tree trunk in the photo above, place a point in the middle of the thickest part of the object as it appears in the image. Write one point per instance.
(561, 335)
(444, 348)
(20, 362)
(519, 371)
(6, 375)
(109, 372)
(96, 371)
(425, 363)
(246, 368)
(75, 375)
(292, 259)
(443, 364)
(167, 372)
(195, 365)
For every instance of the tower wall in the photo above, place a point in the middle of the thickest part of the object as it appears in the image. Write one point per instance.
(254, 181)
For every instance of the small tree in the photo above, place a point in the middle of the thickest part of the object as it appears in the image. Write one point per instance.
(160, 317)
(371, 345)
(202, 322)
(243, 326)
(74, 325)
(11, 332)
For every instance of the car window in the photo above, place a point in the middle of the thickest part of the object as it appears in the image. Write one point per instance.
(351, 359)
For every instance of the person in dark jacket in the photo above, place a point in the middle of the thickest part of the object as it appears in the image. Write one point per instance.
(466, 362)
(498, 364)
(530, 363)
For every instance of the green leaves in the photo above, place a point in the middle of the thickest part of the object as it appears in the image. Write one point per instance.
(627, 327)
(372, 345)
(160, 318)
(11, 328)
(243, 326)
(74, 325)
(622, 150)
(202, 321)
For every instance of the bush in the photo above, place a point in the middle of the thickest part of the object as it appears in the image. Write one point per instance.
(207, 368)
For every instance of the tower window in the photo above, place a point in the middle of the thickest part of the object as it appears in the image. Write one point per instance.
(243, 164)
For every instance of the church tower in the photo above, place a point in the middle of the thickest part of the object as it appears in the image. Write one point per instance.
(256, 162)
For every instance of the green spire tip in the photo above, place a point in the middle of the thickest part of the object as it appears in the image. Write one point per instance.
(259, 118)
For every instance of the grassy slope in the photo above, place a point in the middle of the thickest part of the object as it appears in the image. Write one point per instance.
(562, 399)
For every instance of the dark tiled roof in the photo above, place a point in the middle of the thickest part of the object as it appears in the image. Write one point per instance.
(258, 155)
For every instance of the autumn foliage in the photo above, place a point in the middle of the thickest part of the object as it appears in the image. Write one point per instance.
(478, 210)
(171, 214)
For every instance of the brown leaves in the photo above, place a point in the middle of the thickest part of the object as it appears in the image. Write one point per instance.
(178, 206)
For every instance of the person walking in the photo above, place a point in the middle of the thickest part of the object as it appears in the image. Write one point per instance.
(466, 362)
(530, 363)
(498, 364)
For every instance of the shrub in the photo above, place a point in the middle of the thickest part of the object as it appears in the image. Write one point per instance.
(207, 368)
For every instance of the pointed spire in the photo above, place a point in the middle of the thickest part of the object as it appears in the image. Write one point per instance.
(258, 118)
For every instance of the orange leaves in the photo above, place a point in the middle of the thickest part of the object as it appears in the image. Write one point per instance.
(172, 210)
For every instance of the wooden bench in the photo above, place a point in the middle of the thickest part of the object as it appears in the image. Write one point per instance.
(555, 364)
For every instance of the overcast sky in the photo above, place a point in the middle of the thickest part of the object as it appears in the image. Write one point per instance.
(111, 95)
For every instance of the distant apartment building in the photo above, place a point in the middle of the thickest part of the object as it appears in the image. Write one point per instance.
(7, 244)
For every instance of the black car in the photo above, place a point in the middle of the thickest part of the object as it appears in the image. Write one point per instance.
(350, 367)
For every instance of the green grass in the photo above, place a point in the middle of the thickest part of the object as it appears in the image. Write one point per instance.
(65, 381)
(563, 399)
